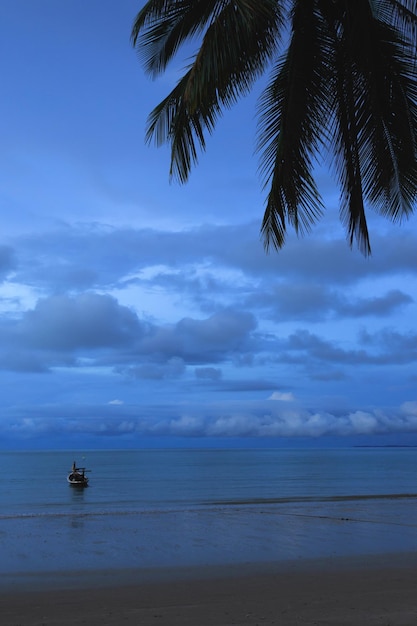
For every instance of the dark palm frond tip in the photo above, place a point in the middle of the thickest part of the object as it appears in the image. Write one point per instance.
(272, 231)
(343, 79)
(217, 76)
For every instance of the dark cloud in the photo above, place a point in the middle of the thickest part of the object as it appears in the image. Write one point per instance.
(380, 348)
(8, 261)
(24, 361)
(315, 302)
(88, 321)
(208, 373)
(173, 368)
(285, 301)
(391, 345)
(95, 256)
(200, 341)
(64, 330)
(379, 306)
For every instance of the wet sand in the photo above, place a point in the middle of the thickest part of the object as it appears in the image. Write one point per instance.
(362, 591)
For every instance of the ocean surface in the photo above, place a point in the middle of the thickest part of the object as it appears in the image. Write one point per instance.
(154, 509)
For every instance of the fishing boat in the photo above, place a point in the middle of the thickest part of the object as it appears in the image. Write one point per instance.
(77, 477)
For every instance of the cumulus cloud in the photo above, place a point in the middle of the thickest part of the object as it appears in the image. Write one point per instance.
(235, 341)
(89, 320)
(255, 420)
(203, 340)
(64, 330)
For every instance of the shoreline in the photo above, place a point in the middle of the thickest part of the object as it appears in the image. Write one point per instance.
(368, 589)
(90, 579)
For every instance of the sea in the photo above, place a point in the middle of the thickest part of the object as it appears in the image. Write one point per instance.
(148, 511)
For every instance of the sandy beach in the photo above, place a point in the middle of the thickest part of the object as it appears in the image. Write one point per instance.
(378, 590)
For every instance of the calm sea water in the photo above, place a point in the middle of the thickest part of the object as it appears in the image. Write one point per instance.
(171, 508)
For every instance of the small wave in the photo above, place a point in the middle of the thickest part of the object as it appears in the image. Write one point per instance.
(208, 505)
(310, 499)
(43, 515)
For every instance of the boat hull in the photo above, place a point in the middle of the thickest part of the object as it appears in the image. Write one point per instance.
(77, 481)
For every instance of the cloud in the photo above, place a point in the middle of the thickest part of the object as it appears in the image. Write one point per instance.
(97, 256)
(409, 408)
(61, 330)
(202, 340)
(172, 368)
(282, 396)
(380, 306)
(316, 302)
(89, 320)
(208, 373)
(253, 420)
(94, 329)
(8, 261)
(379, 348)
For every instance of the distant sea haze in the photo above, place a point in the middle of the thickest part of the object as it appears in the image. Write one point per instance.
(178, 508)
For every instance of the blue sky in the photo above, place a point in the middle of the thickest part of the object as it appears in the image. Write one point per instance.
(135, 311)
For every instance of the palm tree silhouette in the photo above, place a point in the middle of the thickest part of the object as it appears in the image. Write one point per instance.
(342, 83)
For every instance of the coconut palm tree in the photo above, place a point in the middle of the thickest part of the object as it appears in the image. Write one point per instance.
(342, 83)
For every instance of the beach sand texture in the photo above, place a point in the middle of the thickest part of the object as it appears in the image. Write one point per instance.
(363, 595)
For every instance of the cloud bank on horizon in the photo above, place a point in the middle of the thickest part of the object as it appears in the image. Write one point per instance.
(131, 308)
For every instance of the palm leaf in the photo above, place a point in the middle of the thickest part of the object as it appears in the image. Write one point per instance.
(348, 79)
(217, 77)
(373, 136)
(162, 26)
(292, 111)
(402, 14)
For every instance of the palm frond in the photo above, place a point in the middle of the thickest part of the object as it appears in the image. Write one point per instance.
(162, 26)
(217, 77)
(292, 111)
(374, 138)
(401, 14)
(172, 121)
(348, 80)
(389, 119)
